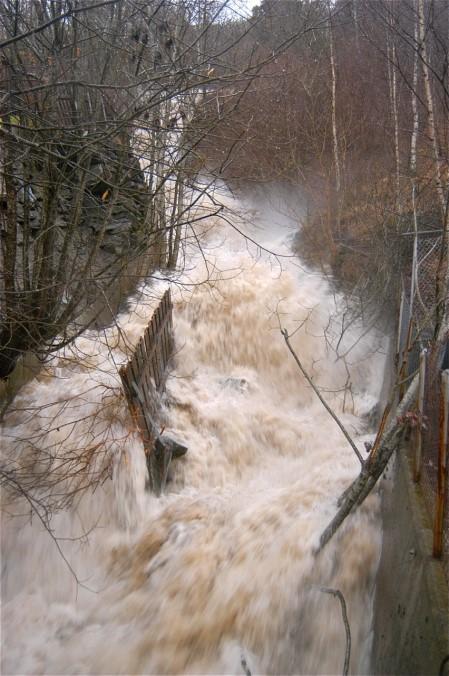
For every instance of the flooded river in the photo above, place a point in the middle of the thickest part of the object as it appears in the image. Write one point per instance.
(218, 576)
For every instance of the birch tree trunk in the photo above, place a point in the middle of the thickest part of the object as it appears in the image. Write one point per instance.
(414, 98)
(355, 16)
(393, 87)
(424, 56)
(334, 107)
(396, 130)
(412, 165)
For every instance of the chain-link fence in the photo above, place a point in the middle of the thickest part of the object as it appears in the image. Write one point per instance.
(416, 351)
(434, 457)
(423, 285)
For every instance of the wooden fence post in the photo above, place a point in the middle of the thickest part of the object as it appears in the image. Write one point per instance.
(419, 428)
(144, 378)
(442, 465)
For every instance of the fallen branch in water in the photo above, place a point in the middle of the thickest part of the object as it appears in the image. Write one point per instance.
(344, 613)
(318, 394)
(386, 443)
(373, 467)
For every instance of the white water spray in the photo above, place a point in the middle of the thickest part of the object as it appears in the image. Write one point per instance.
(221, 566)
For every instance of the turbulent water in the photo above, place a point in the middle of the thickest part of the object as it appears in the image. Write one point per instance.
(218, 575)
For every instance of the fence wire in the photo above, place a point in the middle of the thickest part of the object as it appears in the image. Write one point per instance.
(423, 287)
(415, 333)
(433, 405)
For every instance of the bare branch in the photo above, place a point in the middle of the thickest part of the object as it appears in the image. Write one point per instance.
(337, 593)
(373, 467)
(318, 394)
(57, 19)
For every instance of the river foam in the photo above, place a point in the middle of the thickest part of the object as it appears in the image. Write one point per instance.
(221, 566)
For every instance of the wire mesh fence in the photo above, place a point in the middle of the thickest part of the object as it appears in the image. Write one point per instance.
(417, 351)
(423, 288)
(434, 453)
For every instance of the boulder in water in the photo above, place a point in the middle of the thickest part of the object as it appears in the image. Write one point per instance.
(177, 450)
(238, 384)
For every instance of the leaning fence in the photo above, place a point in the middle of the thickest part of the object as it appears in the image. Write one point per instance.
(144, 378)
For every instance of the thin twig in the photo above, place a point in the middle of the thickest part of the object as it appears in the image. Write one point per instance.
(344, 614)
(318, 394)
(34, 509)
(61, 17)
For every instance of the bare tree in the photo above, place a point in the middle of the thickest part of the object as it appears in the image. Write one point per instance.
(98, 136)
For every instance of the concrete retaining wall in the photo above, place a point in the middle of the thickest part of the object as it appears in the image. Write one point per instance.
(411, 614)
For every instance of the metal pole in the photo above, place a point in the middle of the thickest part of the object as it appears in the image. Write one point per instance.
(415, 257)
(399, 336)
(403, 373)
(419, 429)
(442, 465)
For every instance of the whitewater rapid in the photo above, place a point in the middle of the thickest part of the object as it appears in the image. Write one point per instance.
(217, 575)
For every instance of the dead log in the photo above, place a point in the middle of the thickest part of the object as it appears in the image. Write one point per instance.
(373, 467)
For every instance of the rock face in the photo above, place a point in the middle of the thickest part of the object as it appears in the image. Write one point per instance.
(84, 230)
(129, 206)
(116, 228)
(126, 214)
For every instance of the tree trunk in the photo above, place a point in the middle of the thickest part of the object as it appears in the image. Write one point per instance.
(373, 467)
(334, 108)
(430, 106)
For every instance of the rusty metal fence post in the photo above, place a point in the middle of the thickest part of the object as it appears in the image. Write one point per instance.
(419, 428)
(442, 465)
